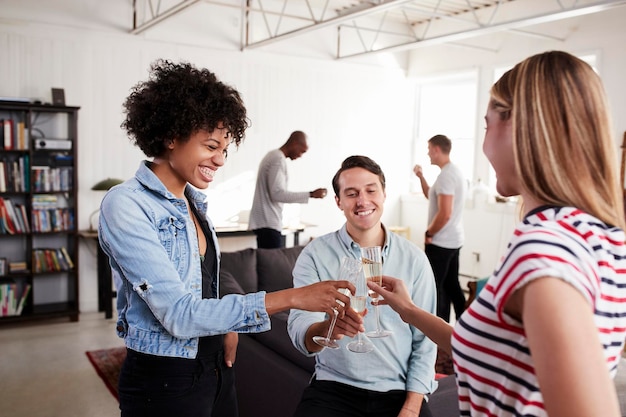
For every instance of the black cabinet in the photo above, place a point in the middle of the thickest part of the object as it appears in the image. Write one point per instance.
(38, 212)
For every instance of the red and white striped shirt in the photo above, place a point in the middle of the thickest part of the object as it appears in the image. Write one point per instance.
(491, 356)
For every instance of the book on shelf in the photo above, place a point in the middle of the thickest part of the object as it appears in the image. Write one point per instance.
(23, 217)
(67, 257)
(22, 301)
(3, 181)
(17, 267)
(7, 125)
(12, 303)
(7, 224)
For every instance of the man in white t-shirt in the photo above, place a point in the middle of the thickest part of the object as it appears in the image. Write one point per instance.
(444, 234)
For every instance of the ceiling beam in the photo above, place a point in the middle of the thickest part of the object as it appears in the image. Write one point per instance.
(172, 11)
(386, 5)
(575, 11)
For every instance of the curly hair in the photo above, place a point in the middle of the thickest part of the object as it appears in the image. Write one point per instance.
(177, 101)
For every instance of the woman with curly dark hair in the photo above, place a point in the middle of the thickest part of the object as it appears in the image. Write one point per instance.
(181, 338)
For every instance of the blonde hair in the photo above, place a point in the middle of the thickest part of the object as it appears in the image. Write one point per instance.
(564, 151)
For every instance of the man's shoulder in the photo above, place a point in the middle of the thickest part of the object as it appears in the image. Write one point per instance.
(327, 239)
(399, 244)
(273, 157)
(455, 170)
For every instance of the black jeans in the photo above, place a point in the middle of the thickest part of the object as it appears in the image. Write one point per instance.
(445, 264)
(333, 399)
(158, 386)
(269, 238)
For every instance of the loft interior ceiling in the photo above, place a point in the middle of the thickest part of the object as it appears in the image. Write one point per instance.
(362, 27)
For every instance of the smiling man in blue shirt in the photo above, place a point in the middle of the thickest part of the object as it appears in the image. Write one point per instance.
(395, 377)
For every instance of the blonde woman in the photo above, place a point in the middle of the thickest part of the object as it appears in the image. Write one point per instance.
(545, 335)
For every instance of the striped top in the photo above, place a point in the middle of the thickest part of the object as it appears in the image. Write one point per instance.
(491, 356)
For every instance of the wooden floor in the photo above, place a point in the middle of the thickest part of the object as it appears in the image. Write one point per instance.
(44, 371)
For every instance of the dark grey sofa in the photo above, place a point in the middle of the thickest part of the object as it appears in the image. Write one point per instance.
(270, 373)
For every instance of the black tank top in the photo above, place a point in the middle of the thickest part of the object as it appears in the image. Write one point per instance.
(208, 345)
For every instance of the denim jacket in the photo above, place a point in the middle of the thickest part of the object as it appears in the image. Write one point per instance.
(152, 246)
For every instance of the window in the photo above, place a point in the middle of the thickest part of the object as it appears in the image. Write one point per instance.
(447, 105)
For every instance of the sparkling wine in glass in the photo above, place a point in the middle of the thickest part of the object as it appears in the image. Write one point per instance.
(358, 302)
(372, 259)
(349, 271)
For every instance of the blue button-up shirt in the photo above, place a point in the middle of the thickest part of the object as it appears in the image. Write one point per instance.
(152, 246)
(403, 361)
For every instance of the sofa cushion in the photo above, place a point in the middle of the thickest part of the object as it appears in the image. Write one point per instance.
(228, 284)
(241, 265)
(274, 267)
(279, 341)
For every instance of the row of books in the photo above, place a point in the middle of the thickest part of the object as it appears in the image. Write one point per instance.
(13, 298)
(45, 217)
(52, 260)
(14, 174)
(53, 220)
(48, 179)
(13, 134)
(13, 218)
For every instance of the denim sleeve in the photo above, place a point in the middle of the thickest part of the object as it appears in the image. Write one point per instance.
(129, 236)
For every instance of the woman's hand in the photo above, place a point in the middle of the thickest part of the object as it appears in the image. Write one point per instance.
(231, 340)
(322, 296)
(394, 293)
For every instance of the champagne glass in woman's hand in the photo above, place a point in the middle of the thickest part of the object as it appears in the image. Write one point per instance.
(372, 259)
(349, 270)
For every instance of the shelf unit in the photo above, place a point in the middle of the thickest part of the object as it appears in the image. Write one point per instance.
(38, 212)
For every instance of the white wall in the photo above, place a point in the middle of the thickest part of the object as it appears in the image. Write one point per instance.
(345, 108)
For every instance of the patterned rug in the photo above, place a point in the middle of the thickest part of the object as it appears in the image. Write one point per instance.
(108, 363)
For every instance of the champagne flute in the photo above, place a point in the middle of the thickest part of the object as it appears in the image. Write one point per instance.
(348, 271)
(358, 302)
(372, 259)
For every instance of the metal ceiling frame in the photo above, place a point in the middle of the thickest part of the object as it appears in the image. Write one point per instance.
(560, 12)
(361, 19)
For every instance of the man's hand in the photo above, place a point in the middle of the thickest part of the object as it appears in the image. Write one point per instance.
(349, 325)
(318, 193)
(417, 170)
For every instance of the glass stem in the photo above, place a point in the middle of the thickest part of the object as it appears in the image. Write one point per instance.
(377, 318)
(332, 326)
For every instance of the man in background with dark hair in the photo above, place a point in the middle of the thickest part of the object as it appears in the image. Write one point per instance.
(444, 234)
(266, 215)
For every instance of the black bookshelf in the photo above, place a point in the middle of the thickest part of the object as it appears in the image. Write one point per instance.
(38, 212)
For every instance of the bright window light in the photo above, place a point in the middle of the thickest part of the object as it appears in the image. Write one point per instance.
(447, 106)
